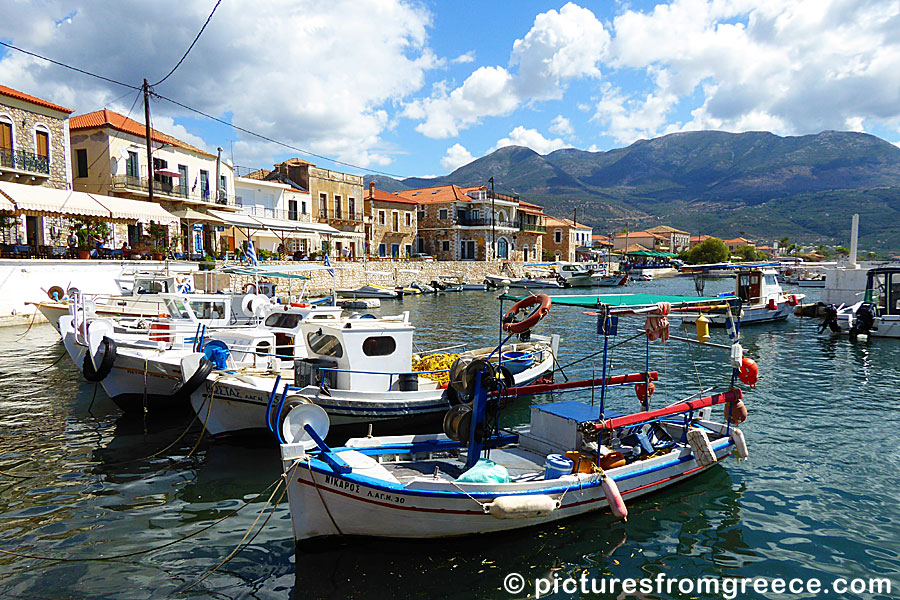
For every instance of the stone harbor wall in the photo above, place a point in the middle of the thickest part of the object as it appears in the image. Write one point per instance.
(354, 274)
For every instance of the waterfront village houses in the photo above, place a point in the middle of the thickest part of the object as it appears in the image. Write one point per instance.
(677, 241)
(639, 241)
(34, 150)
(564, 237)
(391, 224)
(109, 157)
(457, 223)
(337, 201)
(283, 206)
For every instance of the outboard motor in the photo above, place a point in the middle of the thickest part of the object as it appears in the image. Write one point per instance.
(438, 285)
(865, 319)
(829, 319)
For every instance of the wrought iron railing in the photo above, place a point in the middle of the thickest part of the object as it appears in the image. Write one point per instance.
(484, 222)
(166, 187)
(532, 227)
(24, 160)
(340, 215)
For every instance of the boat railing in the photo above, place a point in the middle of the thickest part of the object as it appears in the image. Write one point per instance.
(444, 349)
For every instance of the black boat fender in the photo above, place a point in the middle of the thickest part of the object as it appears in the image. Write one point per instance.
(108, 347)
(194, 382)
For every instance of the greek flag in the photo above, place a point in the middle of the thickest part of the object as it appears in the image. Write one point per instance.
(327, 263)
(251, 254)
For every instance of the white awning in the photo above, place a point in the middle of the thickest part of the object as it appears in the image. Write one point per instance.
(6, 205)
(189, 214)
(237, 219)
(38, 201)
(348, 234)
(134, 210)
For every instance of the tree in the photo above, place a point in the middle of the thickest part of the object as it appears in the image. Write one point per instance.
(748, 253)
(710, 250)
(842, 251)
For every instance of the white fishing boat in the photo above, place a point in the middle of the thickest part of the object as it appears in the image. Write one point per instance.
(762, 299)
(541, 278)
(141, 364)
(577, 274)
(878, 315)
(371, 290)
(360, 370)
(614, 280)
(573, 458)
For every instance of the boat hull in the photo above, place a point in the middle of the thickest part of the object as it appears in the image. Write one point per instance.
(327, 504)
(753, 315)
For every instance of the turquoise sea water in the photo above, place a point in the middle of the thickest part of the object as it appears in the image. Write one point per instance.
(817, 498)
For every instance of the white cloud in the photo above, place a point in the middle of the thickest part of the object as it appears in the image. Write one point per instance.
(560, 46)
(530, 138)
(561, 126)
(787, 67)
(468, 57)
(282, 71)
(456, 157)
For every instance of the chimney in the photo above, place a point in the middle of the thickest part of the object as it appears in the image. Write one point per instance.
(371, 189)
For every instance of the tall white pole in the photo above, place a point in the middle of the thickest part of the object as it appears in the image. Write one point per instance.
(854, 239)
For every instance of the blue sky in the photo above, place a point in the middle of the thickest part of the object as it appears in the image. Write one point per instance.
(418, 88)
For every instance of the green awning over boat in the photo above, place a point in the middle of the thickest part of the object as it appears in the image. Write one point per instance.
(631, 300)
(651, 254)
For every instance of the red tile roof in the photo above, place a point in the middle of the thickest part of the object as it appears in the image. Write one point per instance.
(113, 120)
(8, 91)
(528, 207)
(557, 221)
(439, 194)
(382, 196)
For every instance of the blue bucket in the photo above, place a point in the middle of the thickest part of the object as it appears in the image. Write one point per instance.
(517, 362)
(556, 466)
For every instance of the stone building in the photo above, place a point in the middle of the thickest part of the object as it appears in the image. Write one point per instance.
(34, 150)
(564, 237)
(465, 223)
(337, 201)
(391, 224)
(676, 240)
(648, 241)
(109, 157)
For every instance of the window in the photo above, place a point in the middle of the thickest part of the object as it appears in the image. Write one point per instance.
(6, 140)
(421, 215)
(442, 215)
(381, 220)
(204, 183)
(395, 250)
(303, 208)
(409, 219)
(323, 343)
(323, 206)
(382, 250)
(283, 320)
(292, 210)
(223, 183)
(209, 310)
(395, 221)
(42, 144)
(408, 250)
(379, 346)
(557, 236)
(132, 165)
(183, 180)
(445, 246)
(351, 208)
(81, 163)
(337, 206)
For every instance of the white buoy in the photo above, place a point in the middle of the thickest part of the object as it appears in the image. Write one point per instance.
(740, 444)
(614, 497)
(521, 507)
(700, 446)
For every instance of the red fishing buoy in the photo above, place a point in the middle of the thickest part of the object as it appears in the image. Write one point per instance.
(749, 372)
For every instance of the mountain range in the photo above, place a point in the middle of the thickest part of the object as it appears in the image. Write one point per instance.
(755, 184)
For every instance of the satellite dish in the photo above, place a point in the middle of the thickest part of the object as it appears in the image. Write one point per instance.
(229, 163)
(113, 165)
(294, 427)
(123, 152)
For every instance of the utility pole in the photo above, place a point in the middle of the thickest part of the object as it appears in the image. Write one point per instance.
(493, 234)
(147, 139)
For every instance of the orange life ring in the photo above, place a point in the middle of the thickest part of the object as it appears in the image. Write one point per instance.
(510, 325)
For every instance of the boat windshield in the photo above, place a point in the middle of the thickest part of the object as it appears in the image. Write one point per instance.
(177, 309)
(205, 309)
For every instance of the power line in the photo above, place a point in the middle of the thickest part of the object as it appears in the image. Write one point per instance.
(65, 66)
(188, 51)
(208, 116)
(274, 141)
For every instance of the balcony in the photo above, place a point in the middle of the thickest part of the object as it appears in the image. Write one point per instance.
(24, 161)
(166, 189)
(484, 222)
(340, 215)
(532, 227)
(275, 213)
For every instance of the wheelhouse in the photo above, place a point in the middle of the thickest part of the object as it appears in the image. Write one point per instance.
(883, 290)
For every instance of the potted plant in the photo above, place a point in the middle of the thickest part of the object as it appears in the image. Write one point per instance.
(89, 232)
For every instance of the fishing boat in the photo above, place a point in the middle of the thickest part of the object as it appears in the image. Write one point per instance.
(372, 290)
(877, 315)
(152, 365)
(762, 299)
(362, 371)
(571, 459)
(450, 283)
(539, 277)
(614, 280)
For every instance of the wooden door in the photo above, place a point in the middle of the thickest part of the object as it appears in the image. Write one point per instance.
(43, 144)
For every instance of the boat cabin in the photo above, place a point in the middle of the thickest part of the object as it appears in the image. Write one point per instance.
(370, 355)
(284, 321)
(756, 286)
(883, 289)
